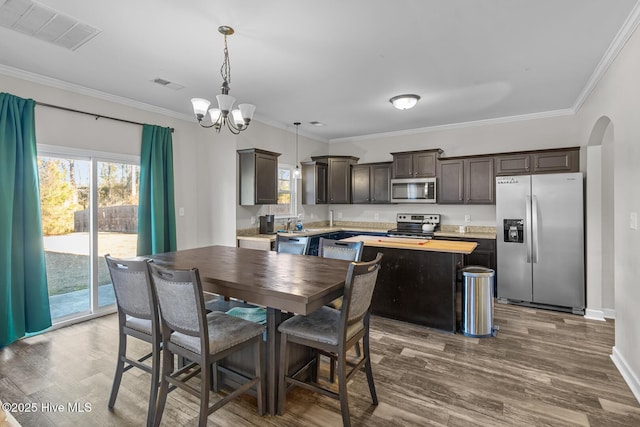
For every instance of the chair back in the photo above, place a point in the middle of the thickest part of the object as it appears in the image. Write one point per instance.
(358, 290)
(180, 298)
(292, 245)
(348, 251)
(132, 286)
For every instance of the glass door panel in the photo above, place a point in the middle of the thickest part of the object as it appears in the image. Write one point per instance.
(117, 219)
(64, 201)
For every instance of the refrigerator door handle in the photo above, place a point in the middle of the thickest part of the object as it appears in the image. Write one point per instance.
(527, 228)
(534, 229)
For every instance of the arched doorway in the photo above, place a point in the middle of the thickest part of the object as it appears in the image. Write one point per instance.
(600, 221)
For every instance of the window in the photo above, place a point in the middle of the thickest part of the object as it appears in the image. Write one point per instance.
(89, 205)
(286, 193)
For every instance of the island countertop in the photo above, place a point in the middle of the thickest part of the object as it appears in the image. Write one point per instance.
(415, 244)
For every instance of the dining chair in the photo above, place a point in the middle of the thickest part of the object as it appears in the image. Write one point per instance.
(292, 245)
(138, 318)
(348, 251)
(201, 338)
(333, 331)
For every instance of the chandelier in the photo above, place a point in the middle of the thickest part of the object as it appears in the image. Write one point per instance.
(235, 120)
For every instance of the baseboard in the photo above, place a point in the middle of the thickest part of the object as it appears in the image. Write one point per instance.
(594, 314)
(629, 376)
(609, 313)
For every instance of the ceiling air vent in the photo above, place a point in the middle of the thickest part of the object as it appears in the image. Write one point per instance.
(43, 23)
(167, 83)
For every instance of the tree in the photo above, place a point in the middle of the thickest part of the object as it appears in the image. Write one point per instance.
(57, 197)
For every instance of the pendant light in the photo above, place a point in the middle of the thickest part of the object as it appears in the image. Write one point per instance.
(296, 172)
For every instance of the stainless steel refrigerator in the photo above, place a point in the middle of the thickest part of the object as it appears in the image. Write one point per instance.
(540, 240)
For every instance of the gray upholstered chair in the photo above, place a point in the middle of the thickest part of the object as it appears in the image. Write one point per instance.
(138, 318)
(292, 245)
(333, 331)
(204, 339)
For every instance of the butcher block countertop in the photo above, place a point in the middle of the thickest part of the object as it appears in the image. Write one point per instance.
(415, 244)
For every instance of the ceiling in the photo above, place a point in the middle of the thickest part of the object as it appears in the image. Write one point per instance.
(334, 61)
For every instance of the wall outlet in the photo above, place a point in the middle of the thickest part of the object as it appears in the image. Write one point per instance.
(180, 211)
(467, 218)
(376, 216)
(633, 220)
(253, 220)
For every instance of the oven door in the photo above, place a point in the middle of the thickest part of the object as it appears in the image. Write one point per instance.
(413, 190)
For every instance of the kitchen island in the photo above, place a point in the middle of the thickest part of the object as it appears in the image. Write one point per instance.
(417, 280)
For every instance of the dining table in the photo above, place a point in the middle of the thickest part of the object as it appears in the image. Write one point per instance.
(282, 283)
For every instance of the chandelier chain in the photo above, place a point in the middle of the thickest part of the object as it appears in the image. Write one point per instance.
(225, 69)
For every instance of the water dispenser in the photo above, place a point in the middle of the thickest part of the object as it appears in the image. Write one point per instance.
(514, 230)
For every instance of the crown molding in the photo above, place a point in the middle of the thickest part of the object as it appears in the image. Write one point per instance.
(461, 125)
(82, 90)
(610, 55)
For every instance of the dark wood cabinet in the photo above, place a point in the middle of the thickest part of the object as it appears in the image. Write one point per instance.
(415, 164)
(314, 183)
(258, 177)
(338, 177)
(466, 181)
(534, 162)
(371, 183)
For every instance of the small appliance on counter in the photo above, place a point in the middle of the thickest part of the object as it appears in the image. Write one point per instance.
(416, 226)
(267, 224)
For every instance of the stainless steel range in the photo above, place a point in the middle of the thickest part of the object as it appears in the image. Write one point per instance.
(417, 226)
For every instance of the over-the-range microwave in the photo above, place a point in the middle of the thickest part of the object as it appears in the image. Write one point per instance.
(413, 190)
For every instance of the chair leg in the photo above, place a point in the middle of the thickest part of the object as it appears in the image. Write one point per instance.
(167, 369)
(282, 374)
(117, 378)
(205, 386)
(368, 370)
(342, 389)
(155, 382)
(260, 385)
(357, 347)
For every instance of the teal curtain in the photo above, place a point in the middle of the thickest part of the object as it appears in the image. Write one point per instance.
(24, 299)
(156, 208)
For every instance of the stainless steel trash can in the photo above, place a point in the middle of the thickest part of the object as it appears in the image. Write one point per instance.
(477, 302)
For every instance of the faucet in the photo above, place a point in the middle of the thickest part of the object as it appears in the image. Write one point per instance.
(288, 223)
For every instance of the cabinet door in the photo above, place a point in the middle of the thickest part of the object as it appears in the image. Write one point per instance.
(451, 181)
(360, 184)
(266, 179)
(479, 181)
(321, 183)
(517, 164)
(402, 165)
(556, 161)
(380, 184)
(424, 165)
(339, 181)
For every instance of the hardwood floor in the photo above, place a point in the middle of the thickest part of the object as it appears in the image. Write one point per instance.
(543, 368)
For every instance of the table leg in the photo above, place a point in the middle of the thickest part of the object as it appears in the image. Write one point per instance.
(274, 318)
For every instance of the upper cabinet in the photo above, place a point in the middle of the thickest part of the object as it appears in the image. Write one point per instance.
(544, 161)
(468, 180)
(314, 183)
(338, 177)
(415, 164)
(371, 183)
(258, 177)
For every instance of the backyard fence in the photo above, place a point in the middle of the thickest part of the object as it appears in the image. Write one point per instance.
(121, 219)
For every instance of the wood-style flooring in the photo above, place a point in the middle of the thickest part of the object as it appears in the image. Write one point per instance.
(543, 369)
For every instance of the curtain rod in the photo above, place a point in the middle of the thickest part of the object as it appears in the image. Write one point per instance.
(97, 116)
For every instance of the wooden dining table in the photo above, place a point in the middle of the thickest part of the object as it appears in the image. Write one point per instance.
(280, 282)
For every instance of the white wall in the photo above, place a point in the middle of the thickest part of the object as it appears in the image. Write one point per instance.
(199, 166)
(616, 98)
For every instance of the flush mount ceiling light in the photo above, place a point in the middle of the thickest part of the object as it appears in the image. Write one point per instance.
(404, 102)
(241, 116)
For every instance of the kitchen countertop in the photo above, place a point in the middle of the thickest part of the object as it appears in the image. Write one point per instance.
(415, 244)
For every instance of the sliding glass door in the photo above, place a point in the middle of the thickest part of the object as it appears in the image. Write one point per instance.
(89, 208)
